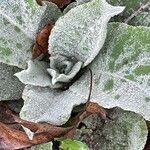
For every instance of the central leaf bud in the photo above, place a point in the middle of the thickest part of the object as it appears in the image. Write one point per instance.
(63, 69)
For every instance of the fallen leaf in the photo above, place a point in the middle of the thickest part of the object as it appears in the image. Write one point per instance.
(41, 42)
(96, 109)
(11, 138)
(59, 3)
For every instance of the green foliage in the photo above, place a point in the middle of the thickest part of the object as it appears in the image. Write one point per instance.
(10, 87)
(69, 144)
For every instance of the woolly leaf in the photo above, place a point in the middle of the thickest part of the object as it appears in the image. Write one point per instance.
(36, 74)
(69, 7)
(19, 22)
(121, 72)
(82, 1)
(10, 87)
(47, 105)
(120, 78)
(80, 34)
(46, 146)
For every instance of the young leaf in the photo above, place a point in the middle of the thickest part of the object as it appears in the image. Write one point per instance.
(77, 48)
(124, 130)
(47, 105)
(10, 87)
(20, 20)
(36, 74)
(80, 34)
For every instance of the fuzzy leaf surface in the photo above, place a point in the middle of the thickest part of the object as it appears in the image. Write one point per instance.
(75, 41)
(82, 31)
(121, 72)
(48, 105)
(20, 20)
(46, 146)
(10, 87)
(121, 78)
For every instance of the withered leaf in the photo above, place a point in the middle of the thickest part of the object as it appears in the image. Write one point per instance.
(96, 109)
(41, 42)
(90, 108)
(11, 138)
(59, 3)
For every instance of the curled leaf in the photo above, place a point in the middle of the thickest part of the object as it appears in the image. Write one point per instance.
(36, 74)
(73, 47)
(80, 34)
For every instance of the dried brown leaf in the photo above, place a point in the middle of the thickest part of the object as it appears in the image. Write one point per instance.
(11, 138)
(94, 108)
(41, 42)
(59, 3)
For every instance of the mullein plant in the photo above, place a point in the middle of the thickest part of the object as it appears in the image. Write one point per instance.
(82, 38)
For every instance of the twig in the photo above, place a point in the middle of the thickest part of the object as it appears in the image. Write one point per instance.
(90, 88)
(137, 12)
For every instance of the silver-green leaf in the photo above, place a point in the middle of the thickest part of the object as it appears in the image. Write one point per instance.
(82, 31)
(121, 78)
(80, 34)
(121, 72)
(142, 19)
(10, 87)
(20, 20)
(42, 104)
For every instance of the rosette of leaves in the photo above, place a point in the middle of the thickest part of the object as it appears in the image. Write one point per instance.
(121, 66)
